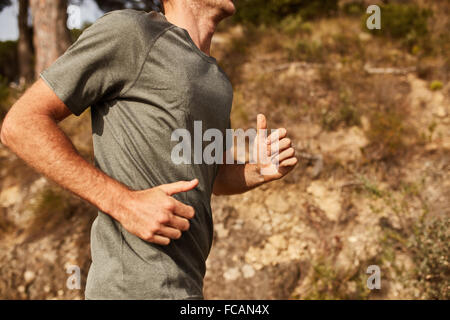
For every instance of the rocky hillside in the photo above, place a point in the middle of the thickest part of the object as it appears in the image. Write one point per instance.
(370, 119)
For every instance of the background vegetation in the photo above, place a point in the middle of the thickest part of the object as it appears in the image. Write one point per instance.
(369, 113)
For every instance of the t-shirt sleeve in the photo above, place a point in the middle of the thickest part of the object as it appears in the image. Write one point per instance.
(101, 65)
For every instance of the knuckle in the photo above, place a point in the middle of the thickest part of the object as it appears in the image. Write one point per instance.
(148, 235)
(169, 204)
(156, 191)
(164, 218)
(155, 227)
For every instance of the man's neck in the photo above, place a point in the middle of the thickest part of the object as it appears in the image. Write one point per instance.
(198, 21)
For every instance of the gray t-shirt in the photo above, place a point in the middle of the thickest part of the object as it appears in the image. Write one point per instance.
(143, 78)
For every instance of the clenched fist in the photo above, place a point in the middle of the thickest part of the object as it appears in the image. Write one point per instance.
(154, 215)
(274, 154)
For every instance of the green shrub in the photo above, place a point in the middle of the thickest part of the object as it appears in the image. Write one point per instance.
(4, 95)
(306, 50)
(346, 114)
(329, 282)
(50, 209)
(295, 24)
(387, 133)
(76, 33)
(400, 21)
(345, 44)
(235, 55)
(272, 11)
(430, 253)
(354, 8)
(436, 85)
(291, 24)
(9, 67)
(4, 89)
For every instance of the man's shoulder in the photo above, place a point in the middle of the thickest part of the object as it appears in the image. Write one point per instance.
(131, 23)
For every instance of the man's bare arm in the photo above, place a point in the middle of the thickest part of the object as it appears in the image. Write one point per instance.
(30, 129)
(239, 178)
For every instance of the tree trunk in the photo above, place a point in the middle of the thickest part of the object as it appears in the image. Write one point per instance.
(24, 47)
(51, 36)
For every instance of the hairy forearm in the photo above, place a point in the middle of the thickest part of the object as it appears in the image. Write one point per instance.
(39, 141)
(237, 178)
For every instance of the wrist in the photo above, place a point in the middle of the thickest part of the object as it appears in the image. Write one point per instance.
(253, 176)
(115, 198)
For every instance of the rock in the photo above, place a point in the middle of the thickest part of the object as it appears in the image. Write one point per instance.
(248, 271)
(29, 276)
(344, 144)
(10, 196)
(317, 189)
(278, 242)
(365, 123)
(271, 282)
(329, 201)
(232, 274)
(431, 147)
(38, 185)
(276, 203)
(220, 230)
(3, 152)
(364, 36)
(274, 251)
(439, 111)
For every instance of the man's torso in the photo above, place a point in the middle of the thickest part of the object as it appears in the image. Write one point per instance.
(177, 85)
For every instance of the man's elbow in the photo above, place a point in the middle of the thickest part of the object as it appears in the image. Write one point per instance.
(6, 131)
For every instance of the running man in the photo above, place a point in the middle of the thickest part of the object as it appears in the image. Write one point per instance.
(143, 75)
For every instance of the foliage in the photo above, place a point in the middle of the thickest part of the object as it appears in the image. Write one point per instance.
(52, 207)
(4, 90)
(235, 54)
(387, 133)
(306, 50)
(293, 24)
(347, 114)
(430, 251)
(272, 11)
(4, 3)
(76, 33)
(109, 5)
(409, 23)
(4, 95)
(436, 85)
(354, 8)
(329, 283)
(8, 60)
(424, 239)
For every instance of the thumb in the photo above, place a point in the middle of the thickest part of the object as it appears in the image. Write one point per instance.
(177, 187)
(261, 122)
